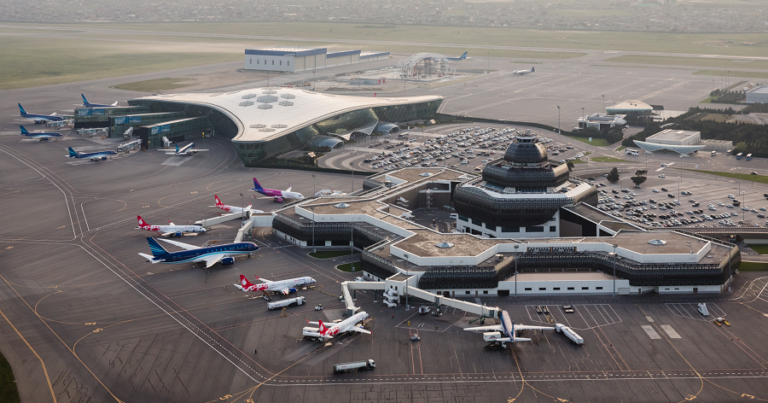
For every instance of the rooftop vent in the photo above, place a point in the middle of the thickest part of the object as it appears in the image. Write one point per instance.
(279, 126)
(265, 106)
(425, 174)
(267, 98)
(341, 205)
(246, 103)
(286, 103)
(287, 96)
(258, 126)
(249, 96)
(657, 242)
(444, 245)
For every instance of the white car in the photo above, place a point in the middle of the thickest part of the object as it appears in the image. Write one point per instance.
(662, 176)
(663, 165)
(655, 190)
(721, 204)
(731, 196)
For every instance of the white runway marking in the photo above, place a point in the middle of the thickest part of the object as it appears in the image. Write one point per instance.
(651, 332)
(176, 160)
(671, 332)
(691, 311)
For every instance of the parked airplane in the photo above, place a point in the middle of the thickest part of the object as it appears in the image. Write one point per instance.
(39, 135)
(172, 229)
(88, 104)
(277, 195)
(39, 118)
(186, 150)
(211, 255)
(97, 156)
(233, 209)
(347, 325)
(284, 287)
(506, 331)
(524, 72)
(458, 59)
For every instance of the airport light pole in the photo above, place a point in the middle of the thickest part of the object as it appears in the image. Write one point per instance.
(314, 248)
(615, 258)
(242, 210)
(603, 103)
(314, 185)
(742, 207)
(583, 114)
(558, 120)
(516, 246)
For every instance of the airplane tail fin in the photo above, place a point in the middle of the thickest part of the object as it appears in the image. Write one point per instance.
(156, 248)
(218, 201)
(23, 130)
(257, 185)
(177, 147)
(323, 329)
(289, 188)
(464, 56)
(21, 110)
(115, 103)
(142, 223)
(85, 101)
(73, 154)
(533, 69)
(244, 282)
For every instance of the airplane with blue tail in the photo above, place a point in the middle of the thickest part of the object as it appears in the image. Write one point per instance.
(40, 136)
(97, 156)
(90, 105)
(506, 331)
(458, 59)
(39, 118)
(224, 254)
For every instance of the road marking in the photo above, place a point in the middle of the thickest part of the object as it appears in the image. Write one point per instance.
(651, 332)
(671, 332)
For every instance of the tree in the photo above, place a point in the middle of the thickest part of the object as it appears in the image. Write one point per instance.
(639, 177)
(613, 176)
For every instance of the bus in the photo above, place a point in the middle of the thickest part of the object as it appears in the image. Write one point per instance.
(739, 155)
(632, 152)
(749, 157)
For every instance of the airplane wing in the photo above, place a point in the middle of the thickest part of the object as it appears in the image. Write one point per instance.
(180, 244)
(173, 150)
(194, 150)
(264, 280)
(211, 260)
(483, 329)
(527, 327)
(359, 330)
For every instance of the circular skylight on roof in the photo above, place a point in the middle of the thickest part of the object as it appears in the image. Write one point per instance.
(341, 205)
(287, 96)
(265, 106)
(246, 103)
(249, 96)
(657, 242)
(266, 130)
(258, 126)
(286, 103)
(425, 174)
(444, 245)
(279, 126)
(269, 92)
(267, 98)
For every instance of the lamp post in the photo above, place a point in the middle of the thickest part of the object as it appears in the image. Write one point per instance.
(516, 247)
(603, 103)
(615, 258)
(742, 207)
(242, 210)
(489, 62)
(314, 248)
(583, 114)
(314, 185)
(558, 120)
(681, 168)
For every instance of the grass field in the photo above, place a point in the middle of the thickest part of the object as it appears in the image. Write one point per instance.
(759, 248)
(329, 254)
(33, 61)
(155, 85)
(690, 61)
(595, 141)
(724, 44)
(733, 175)
(620, 148)
(348, 268)
(753, 266)
(745, 74)
(609, 159)
(8, 391)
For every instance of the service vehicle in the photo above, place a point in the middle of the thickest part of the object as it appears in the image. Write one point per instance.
(283, 303)
(354, 366)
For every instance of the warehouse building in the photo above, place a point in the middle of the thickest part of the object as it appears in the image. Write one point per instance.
(758, 95)
(680, 141)
(630, 107)
(293, 59)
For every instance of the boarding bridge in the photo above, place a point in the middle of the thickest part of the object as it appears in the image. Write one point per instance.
(477, 309)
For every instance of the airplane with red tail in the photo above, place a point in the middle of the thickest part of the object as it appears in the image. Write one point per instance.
(323, 332)
(284, 287)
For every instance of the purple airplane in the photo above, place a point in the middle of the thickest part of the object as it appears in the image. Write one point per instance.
(277, 195)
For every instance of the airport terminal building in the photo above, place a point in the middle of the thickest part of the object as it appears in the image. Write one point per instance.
(266, 122)
(386, 221)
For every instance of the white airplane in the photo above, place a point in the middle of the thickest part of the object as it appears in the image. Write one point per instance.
(284, 287)
(172, 229)
(524, 72)
(186, 150)
(347, 325)
(278, 196)
(233, 209)
(506, 331)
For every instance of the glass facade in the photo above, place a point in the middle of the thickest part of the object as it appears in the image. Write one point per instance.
(176, 130)
(251, 152)
(119, 124)
(99, 117)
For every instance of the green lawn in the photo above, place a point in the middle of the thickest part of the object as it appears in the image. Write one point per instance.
(578, 161)
(690, 61)
(745, 74)
(734, 175)
(609, 159)
(346, 267)
(620, 148)
(329, 254)
(595, 141)
(155, 85)
(759, 248)
(32, 61)
(8, 391)
(753, 266)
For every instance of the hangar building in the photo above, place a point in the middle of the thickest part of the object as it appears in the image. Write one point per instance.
(292, 59)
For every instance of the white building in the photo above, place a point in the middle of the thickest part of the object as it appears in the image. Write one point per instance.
(758, 95)
(679, 141)
(290, 59)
